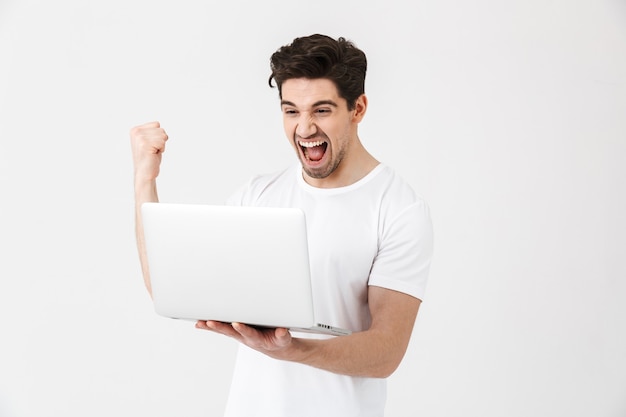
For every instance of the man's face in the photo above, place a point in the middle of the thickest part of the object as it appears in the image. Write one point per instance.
(319, 125)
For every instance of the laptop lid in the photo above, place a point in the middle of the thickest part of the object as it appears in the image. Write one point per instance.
(231, 264)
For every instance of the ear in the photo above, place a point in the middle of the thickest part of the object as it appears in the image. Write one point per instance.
(360, 107)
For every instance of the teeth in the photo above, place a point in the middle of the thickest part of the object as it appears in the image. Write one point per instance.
(311, 144)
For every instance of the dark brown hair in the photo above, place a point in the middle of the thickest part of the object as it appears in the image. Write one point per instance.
(320, 56)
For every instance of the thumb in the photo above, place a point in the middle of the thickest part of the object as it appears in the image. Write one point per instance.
(283, 337)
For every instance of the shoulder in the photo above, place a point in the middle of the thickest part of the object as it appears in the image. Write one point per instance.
(396, 193)
(250, 192)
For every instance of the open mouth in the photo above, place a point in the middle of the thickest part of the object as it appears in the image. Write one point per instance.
(313, 151)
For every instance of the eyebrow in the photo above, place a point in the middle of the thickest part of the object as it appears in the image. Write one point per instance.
(316, 104)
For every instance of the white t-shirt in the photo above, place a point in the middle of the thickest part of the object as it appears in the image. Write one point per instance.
(376, 231)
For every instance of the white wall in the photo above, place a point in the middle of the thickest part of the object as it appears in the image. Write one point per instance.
(507, 116)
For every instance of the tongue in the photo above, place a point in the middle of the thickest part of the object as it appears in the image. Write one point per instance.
(316, 153)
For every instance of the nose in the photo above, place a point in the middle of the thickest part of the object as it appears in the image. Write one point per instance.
(306, 126)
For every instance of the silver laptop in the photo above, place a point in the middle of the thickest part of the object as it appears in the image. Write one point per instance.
(231, 264)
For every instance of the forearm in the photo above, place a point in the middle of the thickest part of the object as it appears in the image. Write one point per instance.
(145, 191)
(376, 352)
(372, 353)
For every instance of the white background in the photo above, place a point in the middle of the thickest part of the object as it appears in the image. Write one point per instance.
(508, 116)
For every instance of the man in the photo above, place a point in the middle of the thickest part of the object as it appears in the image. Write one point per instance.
(370, 242)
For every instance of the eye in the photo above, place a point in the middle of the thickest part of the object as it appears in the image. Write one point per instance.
(323, 111)
(290, 112)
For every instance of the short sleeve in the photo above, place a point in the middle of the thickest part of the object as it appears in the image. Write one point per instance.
(405, 251)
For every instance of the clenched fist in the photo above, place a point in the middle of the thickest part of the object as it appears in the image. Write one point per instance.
(148, 144)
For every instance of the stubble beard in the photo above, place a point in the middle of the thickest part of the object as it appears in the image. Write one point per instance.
(324, 171)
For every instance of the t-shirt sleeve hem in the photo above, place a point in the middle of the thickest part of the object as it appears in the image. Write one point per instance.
(416, 291)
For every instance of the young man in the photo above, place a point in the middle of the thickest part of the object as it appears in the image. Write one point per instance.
(370, 243)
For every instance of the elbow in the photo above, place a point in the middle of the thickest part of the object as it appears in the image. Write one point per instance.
(383, 373)
(386, 369)
(387, 360)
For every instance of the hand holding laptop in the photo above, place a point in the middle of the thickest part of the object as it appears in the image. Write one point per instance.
(263, 339)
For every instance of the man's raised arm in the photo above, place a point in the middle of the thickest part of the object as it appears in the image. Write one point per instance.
(148, 144)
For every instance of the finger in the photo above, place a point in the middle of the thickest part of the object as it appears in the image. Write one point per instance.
(202, 325)
(151, 132)
(157, 136)
(252, 334)
(244, 330)
(208, 325)
(222, 328)
(151, 140)
(149, 146)
(150, 125)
